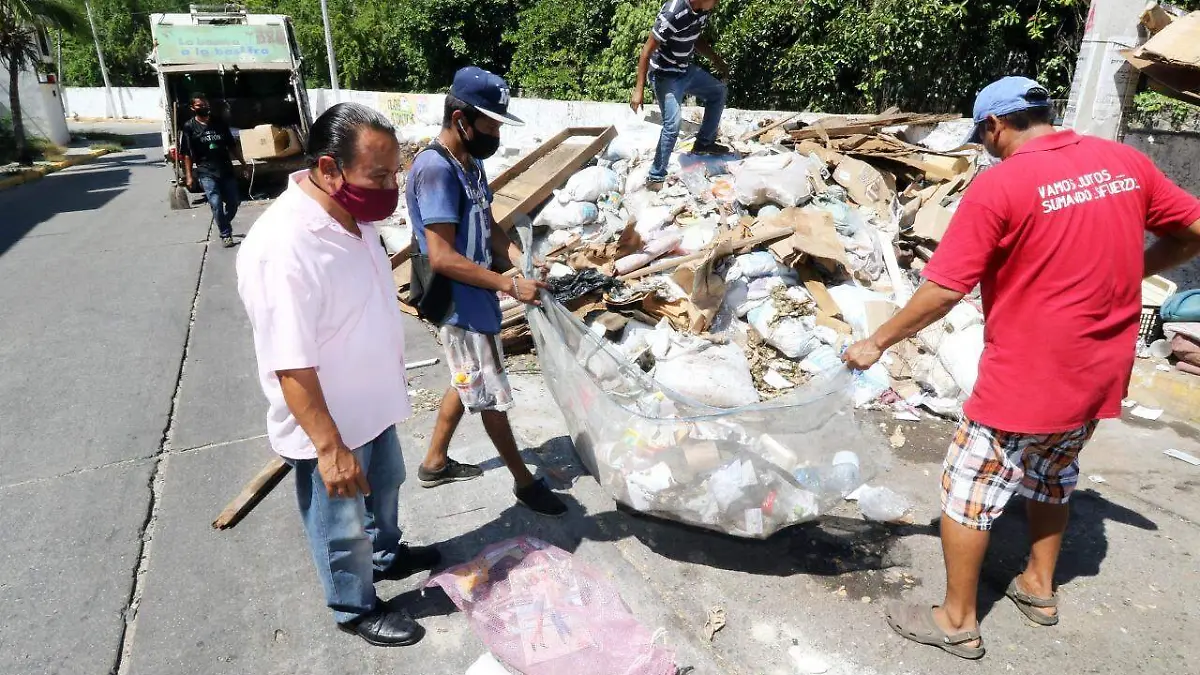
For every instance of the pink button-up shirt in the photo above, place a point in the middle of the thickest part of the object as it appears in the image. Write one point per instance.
(319, 297)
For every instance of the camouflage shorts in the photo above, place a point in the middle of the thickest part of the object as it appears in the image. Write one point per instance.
(477, 369)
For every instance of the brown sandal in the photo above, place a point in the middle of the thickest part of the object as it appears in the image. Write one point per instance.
(1029, 605)
(916, 623)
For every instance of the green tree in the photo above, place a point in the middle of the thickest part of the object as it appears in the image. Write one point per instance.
(611, 76)
(555, 43)
(22, 26)
(123, 28)
(414, 45)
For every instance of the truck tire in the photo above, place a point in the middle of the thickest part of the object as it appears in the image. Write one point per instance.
(179, 198)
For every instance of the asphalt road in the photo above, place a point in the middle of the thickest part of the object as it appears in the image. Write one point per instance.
(130, 416)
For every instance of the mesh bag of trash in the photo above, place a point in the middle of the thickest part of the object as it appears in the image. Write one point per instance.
(542, 612)
(747, 471)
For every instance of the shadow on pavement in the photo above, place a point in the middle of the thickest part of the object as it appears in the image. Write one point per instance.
(85, 188)
(830, 547)
(1085, 545)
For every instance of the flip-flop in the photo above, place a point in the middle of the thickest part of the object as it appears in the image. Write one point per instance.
(915, 622)
(1029, 605)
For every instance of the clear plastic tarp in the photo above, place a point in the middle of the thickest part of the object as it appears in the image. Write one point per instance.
(747, 471)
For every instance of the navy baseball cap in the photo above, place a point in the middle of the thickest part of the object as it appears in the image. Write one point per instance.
(484, 91)
(1005, 97)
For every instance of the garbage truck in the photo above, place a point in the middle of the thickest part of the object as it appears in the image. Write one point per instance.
(249, 68)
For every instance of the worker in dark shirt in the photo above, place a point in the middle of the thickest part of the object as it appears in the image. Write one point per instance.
(209, 148)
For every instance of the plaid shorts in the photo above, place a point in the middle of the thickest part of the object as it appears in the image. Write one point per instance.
(477, 369)
(985, 466)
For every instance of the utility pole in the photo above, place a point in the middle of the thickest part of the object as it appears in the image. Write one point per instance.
(110, 107)
(333, 78)
(58, 72)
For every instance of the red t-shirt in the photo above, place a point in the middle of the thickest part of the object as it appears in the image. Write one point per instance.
(1055, 236)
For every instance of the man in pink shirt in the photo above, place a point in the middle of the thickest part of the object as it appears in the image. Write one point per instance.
(318, 288)
(1054, 236)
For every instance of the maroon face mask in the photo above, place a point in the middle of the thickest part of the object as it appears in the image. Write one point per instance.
(367, 204)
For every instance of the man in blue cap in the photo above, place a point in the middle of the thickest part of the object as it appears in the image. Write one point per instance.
(1054, 237)
(449, 206)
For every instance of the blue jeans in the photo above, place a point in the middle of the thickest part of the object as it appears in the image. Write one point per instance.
(224, 197)
(352, 537)
(669, 89)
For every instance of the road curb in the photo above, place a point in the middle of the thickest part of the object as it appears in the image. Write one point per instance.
(37, 172)
(1177, 393)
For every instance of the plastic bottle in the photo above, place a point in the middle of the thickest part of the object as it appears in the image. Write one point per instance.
(843, 476)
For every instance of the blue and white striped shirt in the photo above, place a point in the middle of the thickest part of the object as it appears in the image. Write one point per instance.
(676, 29)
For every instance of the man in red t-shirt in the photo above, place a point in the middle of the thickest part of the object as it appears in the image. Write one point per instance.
(1054, 236)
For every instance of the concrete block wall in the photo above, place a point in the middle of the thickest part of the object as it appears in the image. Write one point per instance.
(41, 108)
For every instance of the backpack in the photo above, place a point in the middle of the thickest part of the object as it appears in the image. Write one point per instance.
(431, 294)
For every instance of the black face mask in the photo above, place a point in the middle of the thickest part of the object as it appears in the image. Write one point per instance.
(201, 112)
(480, 147)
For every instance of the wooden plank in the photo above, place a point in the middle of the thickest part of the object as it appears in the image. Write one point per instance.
(755, 133)
(519, 192)
(738, 247)
(254, 492)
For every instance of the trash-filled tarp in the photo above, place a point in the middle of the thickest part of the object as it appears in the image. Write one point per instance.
(747, 471)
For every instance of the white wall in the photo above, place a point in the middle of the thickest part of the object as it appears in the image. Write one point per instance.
(128, 102)
(543, 118)
(41, 109)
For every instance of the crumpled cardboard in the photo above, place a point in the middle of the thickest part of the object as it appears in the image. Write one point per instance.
(866, 185)
(815, 235)
(604, 257)
(705, 289)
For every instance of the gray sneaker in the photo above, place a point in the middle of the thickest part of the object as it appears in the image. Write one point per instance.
(228, 242)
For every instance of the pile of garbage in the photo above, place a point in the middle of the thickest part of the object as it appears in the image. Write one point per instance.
(694, 339)
(778, 255)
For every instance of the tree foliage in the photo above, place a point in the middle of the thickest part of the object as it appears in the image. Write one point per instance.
(831, 55)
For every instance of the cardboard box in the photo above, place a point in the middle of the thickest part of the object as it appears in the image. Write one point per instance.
(267, 141)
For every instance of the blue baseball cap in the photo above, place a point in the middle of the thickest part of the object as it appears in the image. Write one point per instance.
(1005, 97)
(484, 91)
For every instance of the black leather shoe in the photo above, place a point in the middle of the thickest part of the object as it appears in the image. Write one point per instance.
(385, 627)
(409, 560)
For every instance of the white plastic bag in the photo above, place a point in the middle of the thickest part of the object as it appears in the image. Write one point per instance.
(716, 375)
(792, 336)
(755, 265)
(395, 237)
(564, 216)
(783, 182)
(881, 504)
(589, 184)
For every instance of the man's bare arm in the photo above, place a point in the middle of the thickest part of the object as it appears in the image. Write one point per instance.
(715, 59)
(1173, 250)
(339, 469)
(635, 100)
(930, 303)
(448, 262)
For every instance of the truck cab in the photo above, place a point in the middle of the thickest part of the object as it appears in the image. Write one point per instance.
(249, 68)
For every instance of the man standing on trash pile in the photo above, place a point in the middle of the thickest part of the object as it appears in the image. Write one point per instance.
(1054, 235)
(667, 57)
(318, 288)
(449, 204)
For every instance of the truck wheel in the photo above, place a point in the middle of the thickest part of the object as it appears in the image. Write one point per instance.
(179, 198)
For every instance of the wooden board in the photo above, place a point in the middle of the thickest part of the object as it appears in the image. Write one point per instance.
(530, 181)
(254, 492)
